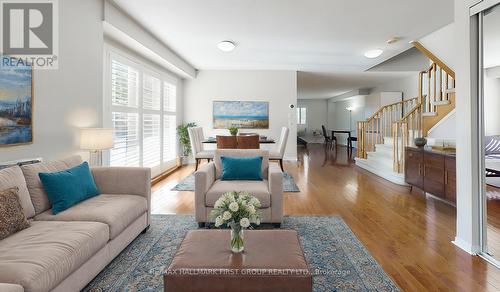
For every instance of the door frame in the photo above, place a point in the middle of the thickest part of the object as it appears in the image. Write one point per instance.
(477, 19)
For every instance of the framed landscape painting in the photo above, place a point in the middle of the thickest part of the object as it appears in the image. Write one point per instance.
(241, 114)
(16, 105)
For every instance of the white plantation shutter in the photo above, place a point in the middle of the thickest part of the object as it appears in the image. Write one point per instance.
(124, 85)
(143, 115)
(126, 139)
(169, 138)
(151, 140)
(169, 97)
(151, 93)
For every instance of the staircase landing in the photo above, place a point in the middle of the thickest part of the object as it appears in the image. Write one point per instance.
(380, 162)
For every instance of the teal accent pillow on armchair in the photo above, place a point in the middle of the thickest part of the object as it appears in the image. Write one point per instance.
(241, 168)
(69, 187)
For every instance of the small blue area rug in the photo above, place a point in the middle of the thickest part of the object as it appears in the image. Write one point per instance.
(338, 261)
(187, 184)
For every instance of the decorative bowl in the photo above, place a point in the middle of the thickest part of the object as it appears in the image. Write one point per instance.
(420, 142)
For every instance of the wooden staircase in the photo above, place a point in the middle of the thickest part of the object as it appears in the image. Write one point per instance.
(395, 126)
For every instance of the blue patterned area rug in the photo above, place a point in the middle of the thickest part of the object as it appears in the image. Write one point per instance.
(338, 261)
(187, 184)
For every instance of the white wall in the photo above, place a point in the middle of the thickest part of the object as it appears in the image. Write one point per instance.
(339, 116)
(446, 128)
(279, 88)
(317, 110)
(491, 106)
(467, 229)
(407, 85)
(440, 43)
(70, 97)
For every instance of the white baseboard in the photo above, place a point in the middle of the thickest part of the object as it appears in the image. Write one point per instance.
(466, 246)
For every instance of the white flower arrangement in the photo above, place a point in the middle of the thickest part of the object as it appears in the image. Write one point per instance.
(237, 210)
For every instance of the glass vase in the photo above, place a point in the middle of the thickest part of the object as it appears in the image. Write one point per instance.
(237, 243)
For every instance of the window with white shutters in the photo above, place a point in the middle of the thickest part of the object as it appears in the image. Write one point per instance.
(142, 112)
(124, 85)
(151, 150)
(126, 139)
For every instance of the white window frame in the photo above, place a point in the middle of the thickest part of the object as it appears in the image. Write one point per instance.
(112, 53)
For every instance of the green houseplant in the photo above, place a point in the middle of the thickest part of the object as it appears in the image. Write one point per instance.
(183, 136)
(233, 130)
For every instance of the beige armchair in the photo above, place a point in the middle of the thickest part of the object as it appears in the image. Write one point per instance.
(208, 187)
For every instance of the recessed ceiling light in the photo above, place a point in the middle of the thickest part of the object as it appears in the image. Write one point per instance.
(373, 53)
(226, 46)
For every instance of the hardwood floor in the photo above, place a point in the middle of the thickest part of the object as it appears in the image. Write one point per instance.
(493, 229)
(408, 234)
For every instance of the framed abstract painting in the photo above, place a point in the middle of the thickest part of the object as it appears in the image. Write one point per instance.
(16, 105)
(241, 114)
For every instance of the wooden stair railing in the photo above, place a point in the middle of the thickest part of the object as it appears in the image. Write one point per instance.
(373, 130)
(404, 121)
(436, 87)
(404, 133)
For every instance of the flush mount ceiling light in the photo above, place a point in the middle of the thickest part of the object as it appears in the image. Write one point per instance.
(393, 40)
(226, 46)
(371, 54)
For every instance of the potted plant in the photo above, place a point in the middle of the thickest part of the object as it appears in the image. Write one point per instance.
(233, 130)
(183, 136)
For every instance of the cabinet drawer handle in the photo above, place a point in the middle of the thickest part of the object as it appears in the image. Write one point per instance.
(445, 177)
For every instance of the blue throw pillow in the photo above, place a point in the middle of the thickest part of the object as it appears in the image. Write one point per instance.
(69, 187)
(241, 168)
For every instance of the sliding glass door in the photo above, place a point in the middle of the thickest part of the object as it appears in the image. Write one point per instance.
(141, 108)
(489, 121)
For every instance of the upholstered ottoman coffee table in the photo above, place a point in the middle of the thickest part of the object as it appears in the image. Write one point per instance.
(273, 260)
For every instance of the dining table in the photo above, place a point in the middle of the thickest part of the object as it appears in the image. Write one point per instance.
(212, 140)
(348, 132)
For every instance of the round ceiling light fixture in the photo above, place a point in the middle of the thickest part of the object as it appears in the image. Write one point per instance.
(393, 40)
(226, 46)
(371, 54)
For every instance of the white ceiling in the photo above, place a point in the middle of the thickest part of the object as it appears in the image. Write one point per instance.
(322, 85)
(304, 35)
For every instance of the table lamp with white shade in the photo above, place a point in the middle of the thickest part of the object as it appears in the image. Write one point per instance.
(95, 140)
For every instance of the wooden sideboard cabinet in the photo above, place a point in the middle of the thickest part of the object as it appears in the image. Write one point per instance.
(432, 171)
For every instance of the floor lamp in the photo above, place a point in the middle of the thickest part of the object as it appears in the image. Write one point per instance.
(95, 140)
(350, 109)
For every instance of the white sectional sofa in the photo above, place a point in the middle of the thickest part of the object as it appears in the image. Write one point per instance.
(64, 252)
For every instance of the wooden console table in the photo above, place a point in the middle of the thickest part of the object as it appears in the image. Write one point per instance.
(432, 171)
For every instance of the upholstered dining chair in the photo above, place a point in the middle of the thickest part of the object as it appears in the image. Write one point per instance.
(279, 152)
(226, 142)
(248, 142)
(196, 137)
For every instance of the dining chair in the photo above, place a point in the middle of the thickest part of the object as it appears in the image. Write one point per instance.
(248, 142)
(196, 138)
(226, 142)
(328, 140)
(279, 152)
(349, 144)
